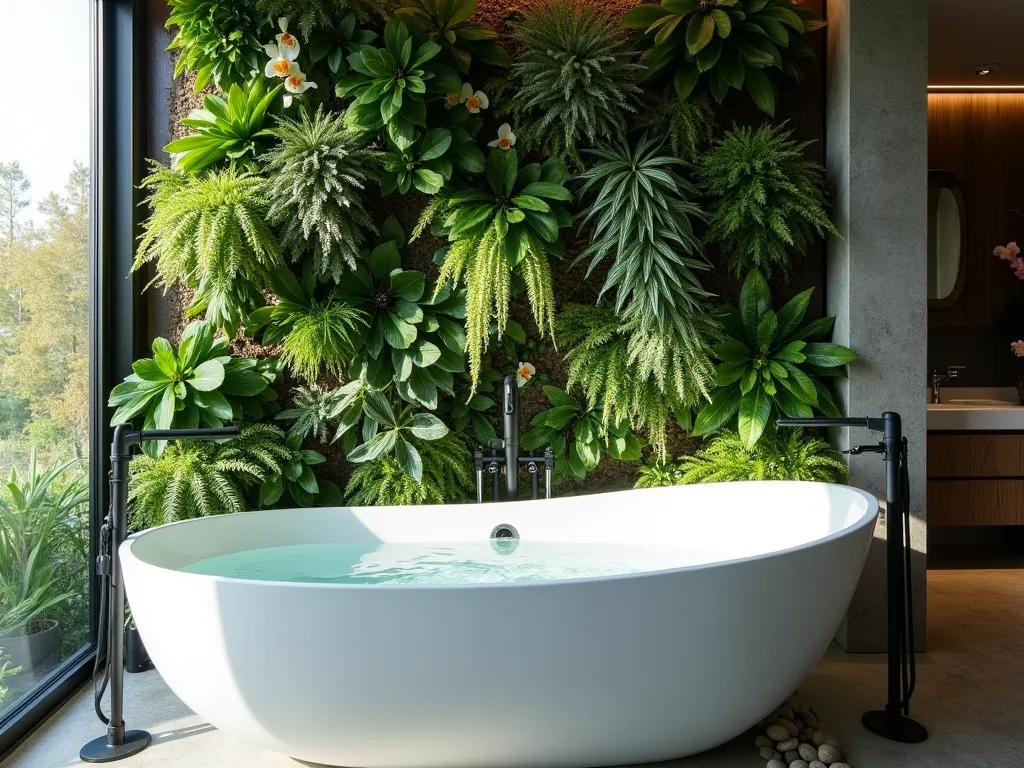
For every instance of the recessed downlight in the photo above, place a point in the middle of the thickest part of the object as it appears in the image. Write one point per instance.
(983, 71)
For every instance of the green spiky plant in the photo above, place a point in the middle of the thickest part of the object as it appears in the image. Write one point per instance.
(767, 202)
(313, 410)
(513, 227)
(390, 85)
(578, 436)
(209, 231)
(318, 175)
(219, 40)
(447, 477)
(412, 339)
(689, 125)
(446, 22)
(573, 81)
(635, 374)
(199, 384)
(778, 455)
(202, 478)
(640, 217)
(770, 364)
(318, 334)
(236, 129)
(736, 43)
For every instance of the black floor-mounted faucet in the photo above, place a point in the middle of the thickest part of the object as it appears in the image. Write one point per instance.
(505, 451)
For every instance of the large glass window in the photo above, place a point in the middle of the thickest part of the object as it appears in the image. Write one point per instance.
(45, 142)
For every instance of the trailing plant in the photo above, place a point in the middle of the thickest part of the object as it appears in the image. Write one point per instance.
(778, 455)
(313, 16)
(689, 125)
(578, 436)
(317, 334)
(770, 365)
(200, 383)
(736, 43)
(632, 373)
(390, 85)
(219, 40)
(209, 232)
(202, 478)
(766, 200)
(573, 82)
(447, 476)
(235, 129)
(296, 481)
(513, 227)
(318, 175)
(43, 531)
(446, 22)
(641, 218)
(390, 433)
(411, 339)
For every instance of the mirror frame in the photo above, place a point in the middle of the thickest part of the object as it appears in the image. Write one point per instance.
(941, 179)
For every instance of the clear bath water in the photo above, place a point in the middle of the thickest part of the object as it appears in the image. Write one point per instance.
(455, 563)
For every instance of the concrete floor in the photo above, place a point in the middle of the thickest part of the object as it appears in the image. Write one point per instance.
(969, 696)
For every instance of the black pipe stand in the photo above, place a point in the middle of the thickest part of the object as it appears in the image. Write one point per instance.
(120, 743)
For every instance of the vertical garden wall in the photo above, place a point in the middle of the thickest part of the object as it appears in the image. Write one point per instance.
(368, 215)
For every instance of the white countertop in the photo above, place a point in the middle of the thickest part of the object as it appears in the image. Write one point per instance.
(976, 409)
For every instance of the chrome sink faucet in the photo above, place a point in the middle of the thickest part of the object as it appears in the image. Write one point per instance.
(952, 372)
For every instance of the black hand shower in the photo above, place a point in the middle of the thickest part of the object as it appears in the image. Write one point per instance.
(119, 743)
(893, 722)
(511, 423)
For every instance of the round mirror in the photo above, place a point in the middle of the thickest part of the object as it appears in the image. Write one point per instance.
(947, 239)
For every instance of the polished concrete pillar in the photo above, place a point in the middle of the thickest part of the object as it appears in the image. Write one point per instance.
(876, 144)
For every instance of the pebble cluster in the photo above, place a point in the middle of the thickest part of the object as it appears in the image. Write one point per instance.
(794, 738)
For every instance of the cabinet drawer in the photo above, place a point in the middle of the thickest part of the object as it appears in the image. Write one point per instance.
(981, 455)
(975, 502)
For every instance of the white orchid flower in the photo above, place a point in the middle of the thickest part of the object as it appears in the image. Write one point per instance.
(282, 53)
(453, 99)
(286, 42)
(506, 139)
(474, 100)
(525, 372)
(297, 83)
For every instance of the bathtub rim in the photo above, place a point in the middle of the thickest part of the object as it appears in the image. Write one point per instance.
(869, 517)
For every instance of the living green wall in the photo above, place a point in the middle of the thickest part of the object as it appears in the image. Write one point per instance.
(799, 103)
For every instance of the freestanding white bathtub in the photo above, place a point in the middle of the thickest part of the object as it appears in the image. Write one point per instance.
(575, 673)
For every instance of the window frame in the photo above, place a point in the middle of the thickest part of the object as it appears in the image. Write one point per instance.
(116, 162)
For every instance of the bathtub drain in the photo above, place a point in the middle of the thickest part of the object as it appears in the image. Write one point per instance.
(504, 539)
(504, 531)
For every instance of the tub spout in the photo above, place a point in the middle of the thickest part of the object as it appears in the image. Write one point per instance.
(511, 423)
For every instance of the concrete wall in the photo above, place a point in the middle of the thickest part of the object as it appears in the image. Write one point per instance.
(876, 137)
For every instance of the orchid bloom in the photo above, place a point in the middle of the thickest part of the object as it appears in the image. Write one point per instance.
(297, 83)
(525, 372)
(282, 53)
(506, 139)
(474, 100)
(1017, 347)
(1010, 251)
(453, 99)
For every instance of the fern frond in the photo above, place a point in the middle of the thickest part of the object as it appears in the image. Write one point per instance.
(689, 125)
(767, 202)
(322, 339)
(318, 174)
(210, 229)
(313, 410)
(573, 81)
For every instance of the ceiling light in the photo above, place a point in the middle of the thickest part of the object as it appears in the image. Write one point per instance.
(982, 71)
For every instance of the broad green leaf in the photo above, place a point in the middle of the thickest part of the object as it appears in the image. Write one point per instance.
(829, 355)
(755, 300)
(434, 143)
(755, 410)
(792, 313)
(560, 397)
(685, 80)
(207, 376)
(643, 16)
(381, 444)
(699, 32)
(767, 329)
(761, 90)
(725, 402)
(427, 426)
(409, 460)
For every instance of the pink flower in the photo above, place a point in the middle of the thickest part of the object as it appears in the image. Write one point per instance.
(1010, 251)
(1017, 347)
